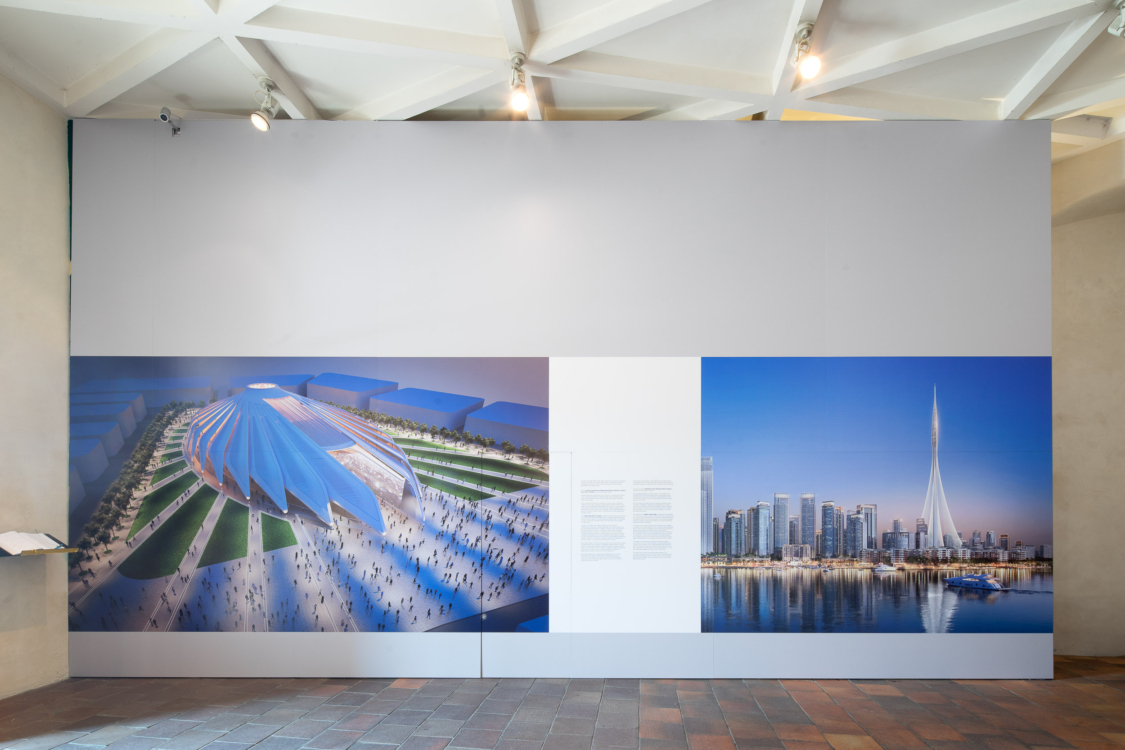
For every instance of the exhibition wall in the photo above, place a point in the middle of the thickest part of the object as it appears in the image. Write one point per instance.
(673, 301)
(33, 327)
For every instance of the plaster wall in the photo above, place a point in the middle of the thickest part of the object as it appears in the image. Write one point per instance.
(1088, 290)
(34, 313)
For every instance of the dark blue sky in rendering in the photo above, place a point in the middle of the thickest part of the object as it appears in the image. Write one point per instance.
(857, 430)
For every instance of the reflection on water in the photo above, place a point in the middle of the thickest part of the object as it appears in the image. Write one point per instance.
(796, 600)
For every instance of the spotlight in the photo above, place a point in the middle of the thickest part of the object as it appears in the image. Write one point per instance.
(519, 98)
(1117, 28)
(268, 105)
(807, 65)
(167, 116)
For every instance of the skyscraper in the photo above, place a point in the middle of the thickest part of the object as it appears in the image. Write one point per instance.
(763, 538)
(855, 536)
(780, 521)
(990, 539)
(828, 529)
(733, 534)
(706, 505)
(808, 520)
(936, 509)
(921, 534)
(840, 528)
(794, 530)
(870, 515)
(716, 536)
(1004, 541)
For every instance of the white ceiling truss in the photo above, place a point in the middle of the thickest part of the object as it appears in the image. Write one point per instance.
(586, 59)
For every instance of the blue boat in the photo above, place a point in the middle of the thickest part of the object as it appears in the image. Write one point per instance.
(979, 581)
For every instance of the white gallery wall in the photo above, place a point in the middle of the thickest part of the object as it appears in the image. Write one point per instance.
(624, 251)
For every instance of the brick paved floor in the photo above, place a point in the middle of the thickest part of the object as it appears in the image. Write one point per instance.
(1083, 707)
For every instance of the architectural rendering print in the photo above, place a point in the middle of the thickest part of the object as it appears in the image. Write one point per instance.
(309, 495)
(848, 433)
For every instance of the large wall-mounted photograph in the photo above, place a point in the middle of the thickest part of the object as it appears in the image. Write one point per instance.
(309, 494)
(876, 494)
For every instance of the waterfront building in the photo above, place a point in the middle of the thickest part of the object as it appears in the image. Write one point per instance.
(808, 519)
(706, 502)
(1023, 553)
(748, 530)
(936, 508)
(733, 534)
(1004, 542)
(763, 538)
(794, 529)
(870, 514)
(828, 529)
(999, 555)
(921, 534)
(886, 540)
(1046, 551)
(961, 553)
(840, 530)
(716, 536)
(990, 539)
(855, 535)
(896, 556)
(796, 552)
(780, 521)
(818, 543)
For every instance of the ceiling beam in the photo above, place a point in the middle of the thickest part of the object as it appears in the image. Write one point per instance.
(1058, 57)
(32, 80)
(646, 75)
(784, 71)
(1088, 99)
(604, 22)
(107, 13)
(314, 29)
(245, 11)
(513, 21)
(253, 54)
(443, 88)
(135, 65)
(905, 106)
(963, 35)
(1114, 132)
(708, 109)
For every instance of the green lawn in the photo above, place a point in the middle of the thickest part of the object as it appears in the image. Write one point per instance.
(426, 444)
(157, 501)
(167, 470)
(500, 484)
(276, 534)
(170, 455)
(230, 538)
(465, 493)
(480, 462)
(161, 553)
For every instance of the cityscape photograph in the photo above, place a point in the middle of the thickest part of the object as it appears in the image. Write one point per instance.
(309, 494)
(893, 494)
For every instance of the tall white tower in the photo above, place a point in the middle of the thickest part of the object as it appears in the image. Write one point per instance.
(936, 510)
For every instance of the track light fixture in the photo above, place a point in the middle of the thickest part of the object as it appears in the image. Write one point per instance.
(519, 90)
(267, 104)
(807, 65)
(167, 116)
(1117, 28)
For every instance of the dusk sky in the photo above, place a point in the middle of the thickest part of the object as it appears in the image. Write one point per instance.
(857, 430)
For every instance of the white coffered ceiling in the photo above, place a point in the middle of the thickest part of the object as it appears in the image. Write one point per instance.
(587, 59)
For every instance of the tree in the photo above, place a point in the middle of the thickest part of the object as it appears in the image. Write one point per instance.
(201, 404)
(488, 442)
(525, 451)
(507, 447)
(444, 433)
(104, 538)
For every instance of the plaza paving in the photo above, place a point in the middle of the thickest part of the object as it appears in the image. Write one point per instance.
(464, 558)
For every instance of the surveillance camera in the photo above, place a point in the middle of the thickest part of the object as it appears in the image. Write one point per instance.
(165, 114)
